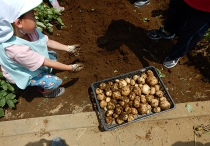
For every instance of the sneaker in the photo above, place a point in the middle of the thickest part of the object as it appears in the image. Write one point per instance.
(57, 141)
(57, 92)
(169, 63)
(160, 34)
(141, 3)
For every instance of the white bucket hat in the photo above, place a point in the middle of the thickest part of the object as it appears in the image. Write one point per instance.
(10, 10)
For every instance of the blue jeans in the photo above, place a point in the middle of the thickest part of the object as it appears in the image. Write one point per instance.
(191, 25)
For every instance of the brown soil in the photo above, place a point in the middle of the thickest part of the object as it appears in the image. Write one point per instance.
(112, 34)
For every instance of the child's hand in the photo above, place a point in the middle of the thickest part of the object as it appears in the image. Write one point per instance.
(77, 67)
(74, 50)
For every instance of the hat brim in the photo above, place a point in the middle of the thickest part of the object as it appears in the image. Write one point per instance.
(29, 5)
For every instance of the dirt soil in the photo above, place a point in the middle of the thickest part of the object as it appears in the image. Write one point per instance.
(112, 34)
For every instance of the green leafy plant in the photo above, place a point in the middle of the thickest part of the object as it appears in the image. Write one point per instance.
(46, 17)
(160, 73)
(207, 35)
(7, 95)
(65, 77)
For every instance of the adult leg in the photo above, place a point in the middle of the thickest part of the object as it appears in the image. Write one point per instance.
(194, 30)
(177, 12)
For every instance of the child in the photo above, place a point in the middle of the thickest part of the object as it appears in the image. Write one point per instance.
(24, 57)
(56, 5)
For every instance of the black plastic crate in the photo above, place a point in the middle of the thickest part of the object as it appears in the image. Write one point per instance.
(130, 75)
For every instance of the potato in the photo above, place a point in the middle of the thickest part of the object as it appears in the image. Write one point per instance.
(98, 91)
(145, 89)
(119, 121)
(144, 75)
(118, 110)
(135, 77)
(103, 103)
(127, 110)
(132, 96)
(142, 109)
(154, 102)
(109, 120)
(130, 118)
(159, 93)
(109, 113)
(149, 73)
(136, 103)
(110, 106)
(137, 90)
(124, 116)
(126, 91)
(164, 105)
(101, 96)
(102, 86)
(134, 111)
(116, 95)
(152, 80)
(141, 80)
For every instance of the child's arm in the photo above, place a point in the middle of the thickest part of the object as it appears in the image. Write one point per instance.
(72, 49)
(56, 45)
(60, 66)
(56, 65)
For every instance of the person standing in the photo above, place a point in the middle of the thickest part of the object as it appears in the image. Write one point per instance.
(190, 20)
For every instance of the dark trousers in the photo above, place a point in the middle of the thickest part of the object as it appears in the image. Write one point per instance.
(190, 24)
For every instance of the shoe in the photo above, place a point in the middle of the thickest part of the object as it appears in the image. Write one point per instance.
(56, 5)
(160, 34)
(169, 63)
(57, 92)
(57, 141)
(141, 3)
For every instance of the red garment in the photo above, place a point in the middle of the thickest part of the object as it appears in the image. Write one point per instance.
(203, 5)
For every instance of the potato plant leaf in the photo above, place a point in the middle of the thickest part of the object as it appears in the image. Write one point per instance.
(10, 87)
(10, 96)
(1, 75)
(3, 93)
(3, 82)
(14, 100)
(2, 102)
(10, 103)
(4, 86)
(1, 112)
(7, 94)
(46, 16)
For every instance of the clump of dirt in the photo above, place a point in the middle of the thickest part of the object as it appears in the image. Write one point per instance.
(200, 56)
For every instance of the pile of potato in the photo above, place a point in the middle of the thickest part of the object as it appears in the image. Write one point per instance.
(124, 99)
